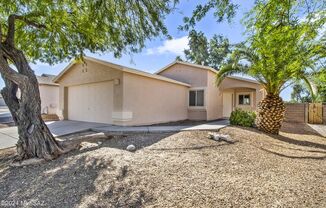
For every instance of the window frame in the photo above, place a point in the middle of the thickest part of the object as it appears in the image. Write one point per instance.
(244, 94)
(204, 98)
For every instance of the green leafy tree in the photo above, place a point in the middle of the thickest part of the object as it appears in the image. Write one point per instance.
(280, 48)
(54, 31)
(222, 9)
(300, 94)
(211, 53)
(319, 80)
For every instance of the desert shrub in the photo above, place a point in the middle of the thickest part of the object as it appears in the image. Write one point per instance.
(243, 118)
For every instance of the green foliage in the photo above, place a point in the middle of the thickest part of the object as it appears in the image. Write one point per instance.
(223, 9)
(319, 79)
(211, 53)
(243, 118)
(52, 31)
(281, 44)
(300, 94)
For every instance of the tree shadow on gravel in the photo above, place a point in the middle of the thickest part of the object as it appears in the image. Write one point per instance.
(293, 157)
(121, 142)
(75, 179)
(288, 140)
(304, 143)
(140, 141)
(298, 128)
(192, 148)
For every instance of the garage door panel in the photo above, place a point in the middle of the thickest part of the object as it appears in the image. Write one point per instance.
(91, 102)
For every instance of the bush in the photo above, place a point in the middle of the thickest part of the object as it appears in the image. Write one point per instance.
(243, 118)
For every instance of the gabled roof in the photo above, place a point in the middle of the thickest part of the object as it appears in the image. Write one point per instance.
(206, 68)
(187, 64)
(244, 79)
(46, 79)
(121, 68)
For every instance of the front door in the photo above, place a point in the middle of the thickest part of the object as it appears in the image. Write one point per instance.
(227, 104)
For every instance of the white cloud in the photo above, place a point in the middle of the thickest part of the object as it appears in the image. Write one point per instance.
(174, 46)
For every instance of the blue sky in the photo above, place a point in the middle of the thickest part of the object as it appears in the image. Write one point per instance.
(159, 52)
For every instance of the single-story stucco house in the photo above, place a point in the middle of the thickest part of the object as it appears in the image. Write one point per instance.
(49, 92)
(103, 92)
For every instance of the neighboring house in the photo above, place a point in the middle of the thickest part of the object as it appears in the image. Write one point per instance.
(49, 92)
(99, 91)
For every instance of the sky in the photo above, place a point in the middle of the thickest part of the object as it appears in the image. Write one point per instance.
(160, 51)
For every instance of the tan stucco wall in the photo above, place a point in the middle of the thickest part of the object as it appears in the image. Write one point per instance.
(152, 101)
(243, 87)
(198, 79)
(92, 72)
(49, 99)
(140, 100)
(214, 98)
(194, 76)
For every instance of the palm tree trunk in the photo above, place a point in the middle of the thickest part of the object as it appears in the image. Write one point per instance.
(270, 114)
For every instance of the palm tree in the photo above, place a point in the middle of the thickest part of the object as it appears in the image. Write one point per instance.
(270, 113)
(280, 48)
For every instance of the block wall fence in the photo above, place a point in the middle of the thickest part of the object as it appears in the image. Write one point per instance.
(298, 112)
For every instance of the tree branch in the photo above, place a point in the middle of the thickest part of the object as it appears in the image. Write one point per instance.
(0, 34)
(8, 72)
(11, 26)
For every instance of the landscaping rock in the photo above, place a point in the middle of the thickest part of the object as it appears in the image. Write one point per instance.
(221, 137)
(131, 148)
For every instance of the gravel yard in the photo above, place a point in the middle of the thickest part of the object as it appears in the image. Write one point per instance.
(185, 169)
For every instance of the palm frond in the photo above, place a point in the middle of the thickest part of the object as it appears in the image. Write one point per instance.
(230, 69)
(310, 87)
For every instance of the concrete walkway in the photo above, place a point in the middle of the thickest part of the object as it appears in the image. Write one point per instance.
(9, 136)
(320, 129)
(213, 126)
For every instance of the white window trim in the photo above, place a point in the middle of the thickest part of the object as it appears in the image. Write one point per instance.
(197, 107)
(244, 93)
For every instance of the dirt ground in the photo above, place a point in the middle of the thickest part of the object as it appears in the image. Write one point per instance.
(185, 169)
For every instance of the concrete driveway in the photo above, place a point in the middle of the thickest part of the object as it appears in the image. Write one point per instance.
(9, 136)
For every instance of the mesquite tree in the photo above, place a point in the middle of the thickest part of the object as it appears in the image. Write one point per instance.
(54, 31)
(211, 52)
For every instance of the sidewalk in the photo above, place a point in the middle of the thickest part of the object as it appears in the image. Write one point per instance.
(212, 126)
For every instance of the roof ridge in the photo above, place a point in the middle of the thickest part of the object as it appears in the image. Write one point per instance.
(186, 63)
(122, 68)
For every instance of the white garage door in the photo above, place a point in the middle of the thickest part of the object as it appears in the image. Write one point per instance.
(91, 102)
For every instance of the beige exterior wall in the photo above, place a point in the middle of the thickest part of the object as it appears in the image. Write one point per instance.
(49, 98)
(214, 98)
(136, 100)
(81, 74)
(238, 87)
(194, 76)
(198, 79)
(149, 101)
(112, 95)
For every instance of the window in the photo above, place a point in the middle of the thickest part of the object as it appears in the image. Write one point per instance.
(196, 98)
(244, 99)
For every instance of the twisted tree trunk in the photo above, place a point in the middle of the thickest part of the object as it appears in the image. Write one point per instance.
(22, 97)
(270, 114)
